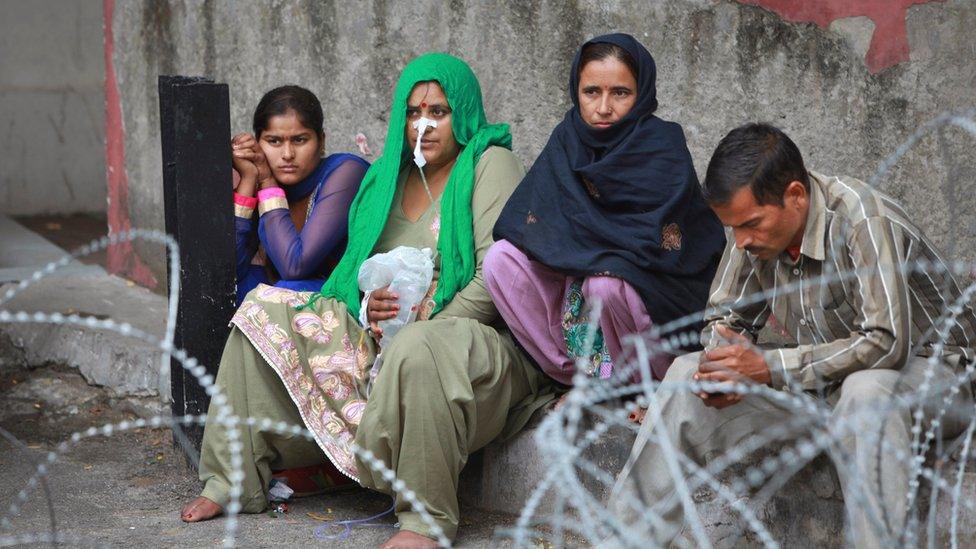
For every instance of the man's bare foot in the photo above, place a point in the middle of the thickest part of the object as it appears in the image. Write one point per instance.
(405, 539)
(637, 416)
(200, 509)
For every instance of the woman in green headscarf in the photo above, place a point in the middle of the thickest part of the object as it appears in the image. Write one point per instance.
(450, 382)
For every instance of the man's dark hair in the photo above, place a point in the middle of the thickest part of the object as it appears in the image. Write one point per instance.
(289, 98)
(758, 155)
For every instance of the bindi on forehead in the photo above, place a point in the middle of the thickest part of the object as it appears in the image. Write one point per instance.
(425, 105)
(429, 96)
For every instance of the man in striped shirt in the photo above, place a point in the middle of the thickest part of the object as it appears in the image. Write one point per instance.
(877, 329)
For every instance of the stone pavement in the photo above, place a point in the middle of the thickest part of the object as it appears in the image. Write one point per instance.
(127, 490)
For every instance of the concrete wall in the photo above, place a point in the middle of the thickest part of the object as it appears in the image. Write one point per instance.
(52, 114)
(720, 63)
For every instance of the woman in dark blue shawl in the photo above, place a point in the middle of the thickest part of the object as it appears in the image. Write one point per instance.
(611, 210)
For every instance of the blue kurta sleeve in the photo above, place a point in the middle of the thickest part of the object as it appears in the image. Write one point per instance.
(247, 244)
(300, 255)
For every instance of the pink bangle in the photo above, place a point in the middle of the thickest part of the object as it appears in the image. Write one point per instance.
(272, 198)
(246, 201)
(271, 192)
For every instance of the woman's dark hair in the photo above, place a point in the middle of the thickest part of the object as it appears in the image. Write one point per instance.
(758, 155)
(289, 98)
(598, 51)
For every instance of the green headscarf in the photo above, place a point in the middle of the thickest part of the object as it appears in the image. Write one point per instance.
(371, 207)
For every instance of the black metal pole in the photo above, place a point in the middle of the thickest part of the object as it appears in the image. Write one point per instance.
(194, 118)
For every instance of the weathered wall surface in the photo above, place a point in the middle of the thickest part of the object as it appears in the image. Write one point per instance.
(720, 63)
(51, 107)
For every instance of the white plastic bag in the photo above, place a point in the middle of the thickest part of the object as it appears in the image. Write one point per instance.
(408, 272)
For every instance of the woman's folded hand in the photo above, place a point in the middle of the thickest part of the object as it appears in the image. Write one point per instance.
(382, 305)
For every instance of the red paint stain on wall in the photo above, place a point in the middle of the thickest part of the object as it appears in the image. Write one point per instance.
(122, 257)
(889, 43)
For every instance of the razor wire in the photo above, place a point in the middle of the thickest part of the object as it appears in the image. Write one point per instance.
(224, 416)
(567, 469)
(593, 408)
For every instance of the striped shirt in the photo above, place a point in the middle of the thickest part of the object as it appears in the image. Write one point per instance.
(852, 300)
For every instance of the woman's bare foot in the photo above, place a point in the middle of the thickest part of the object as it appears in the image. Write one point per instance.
(200, 509)
(558, 403)
(405, 539)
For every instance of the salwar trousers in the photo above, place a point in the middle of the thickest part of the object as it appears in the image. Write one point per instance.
(867, 407)
(530, 297)
(433, 405)
(447, 388)
(253, 390)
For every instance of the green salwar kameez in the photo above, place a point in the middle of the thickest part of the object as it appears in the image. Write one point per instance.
(447, 387)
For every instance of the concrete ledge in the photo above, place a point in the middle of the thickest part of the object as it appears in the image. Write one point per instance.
(23, 251)
(807, 511)
(128, 366)
(503, 475)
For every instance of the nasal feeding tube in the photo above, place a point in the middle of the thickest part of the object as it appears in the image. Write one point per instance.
(422, 126)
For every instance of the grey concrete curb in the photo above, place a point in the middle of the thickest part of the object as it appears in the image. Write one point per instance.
(807, 511)
(128, 366)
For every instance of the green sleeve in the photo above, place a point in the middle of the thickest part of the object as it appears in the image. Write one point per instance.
(498, 172)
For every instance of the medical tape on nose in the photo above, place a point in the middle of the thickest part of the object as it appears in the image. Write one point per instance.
(421, 126)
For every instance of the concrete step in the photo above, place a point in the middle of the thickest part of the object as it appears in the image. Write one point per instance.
(23, 251)
(127, 365)
(807, 511)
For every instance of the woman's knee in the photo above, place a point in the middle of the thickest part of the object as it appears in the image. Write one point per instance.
(608, 289)
(502, 259)
(410, 356)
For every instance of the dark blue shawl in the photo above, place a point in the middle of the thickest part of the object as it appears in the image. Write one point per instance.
(622, 201)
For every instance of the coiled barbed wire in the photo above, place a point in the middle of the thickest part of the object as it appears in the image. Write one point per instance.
(592, 409)
(566, 466)
(225, 415)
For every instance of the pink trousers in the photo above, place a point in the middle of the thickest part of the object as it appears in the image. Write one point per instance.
(530, 298)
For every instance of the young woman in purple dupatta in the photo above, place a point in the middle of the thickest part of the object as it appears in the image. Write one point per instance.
(611, 210)
(302, 198)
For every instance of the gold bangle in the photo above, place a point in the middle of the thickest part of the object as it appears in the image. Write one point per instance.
(243, 211)
(275, 203)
